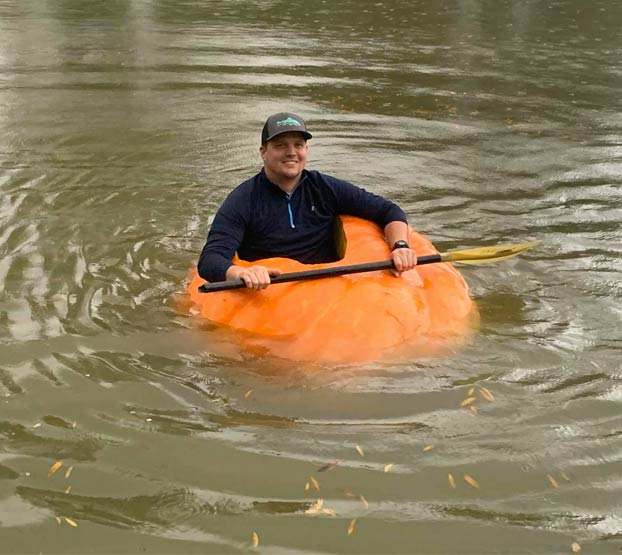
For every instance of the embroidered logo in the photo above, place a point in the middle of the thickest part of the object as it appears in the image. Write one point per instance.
(288, 121)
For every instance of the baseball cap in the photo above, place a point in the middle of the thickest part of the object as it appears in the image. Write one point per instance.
(283, 122)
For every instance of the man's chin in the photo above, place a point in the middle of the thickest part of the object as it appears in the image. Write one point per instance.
(291, 173)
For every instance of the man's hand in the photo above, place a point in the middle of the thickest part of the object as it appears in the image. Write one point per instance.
(255, 277)
(403, 260)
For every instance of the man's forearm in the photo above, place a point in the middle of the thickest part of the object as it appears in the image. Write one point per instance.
(395, 231)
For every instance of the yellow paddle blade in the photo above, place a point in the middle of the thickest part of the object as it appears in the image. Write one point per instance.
(482, 255)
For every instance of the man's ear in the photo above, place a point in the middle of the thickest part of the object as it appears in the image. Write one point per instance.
(262, 151)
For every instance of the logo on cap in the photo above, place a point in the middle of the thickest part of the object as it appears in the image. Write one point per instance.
(288, 121)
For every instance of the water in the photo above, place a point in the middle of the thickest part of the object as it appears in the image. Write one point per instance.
(122, 127)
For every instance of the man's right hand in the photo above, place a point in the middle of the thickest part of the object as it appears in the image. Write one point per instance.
(255, 277)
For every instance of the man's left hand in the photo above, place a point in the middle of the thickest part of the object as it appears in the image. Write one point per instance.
(403, 260)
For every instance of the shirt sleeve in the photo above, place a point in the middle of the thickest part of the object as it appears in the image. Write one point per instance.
(355, 201)
(223, 239)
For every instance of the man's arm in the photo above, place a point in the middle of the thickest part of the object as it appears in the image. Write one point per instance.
(389, 216)
(404, 258)
(223, 240)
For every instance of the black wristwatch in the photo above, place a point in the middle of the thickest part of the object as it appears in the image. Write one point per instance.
(401, 244)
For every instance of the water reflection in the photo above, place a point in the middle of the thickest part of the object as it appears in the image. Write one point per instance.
(123, 126)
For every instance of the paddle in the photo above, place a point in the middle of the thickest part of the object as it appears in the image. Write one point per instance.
(478, 255)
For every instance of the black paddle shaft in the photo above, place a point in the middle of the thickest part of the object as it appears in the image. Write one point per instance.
(320, 273)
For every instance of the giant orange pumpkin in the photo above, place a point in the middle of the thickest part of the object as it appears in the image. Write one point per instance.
(351, 318)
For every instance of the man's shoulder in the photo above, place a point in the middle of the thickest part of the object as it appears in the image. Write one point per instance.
(320, 178)
(323, 179)
(247, 185)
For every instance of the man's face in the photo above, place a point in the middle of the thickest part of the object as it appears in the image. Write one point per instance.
(284, 157)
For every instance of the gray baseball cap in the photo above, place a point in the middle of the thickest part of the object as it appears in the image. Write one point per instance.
(283, 122)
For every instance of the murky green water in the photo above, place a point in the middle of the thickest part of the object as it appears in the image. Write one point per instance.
(122, 127)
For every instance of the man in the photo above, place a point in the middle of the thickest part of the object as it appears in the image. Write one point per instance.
(288, 211)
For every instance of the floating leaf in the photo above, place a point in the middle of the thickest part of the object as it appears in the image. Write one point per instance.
(328, 466)
(68, 489)
(452, 482)
(428, 448)
(58, 520)
(576, 547)
(351, 527)
(71, 522)
(467, 401)
(69, 471)
(565, 476)
(360, 450)
(54, 467)
(246, 396)
(486, 394)
(315, 508)
(471, 481)
(473, 409)
(553, 481)
(307, 486)
(315, 483)
(471, 391)
(255, 539)
(328, 512)
(388, 467)
(349, 494)
(364, 501)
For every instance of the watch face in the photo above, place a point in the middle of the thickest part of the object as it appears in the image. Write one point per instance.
(400, 245)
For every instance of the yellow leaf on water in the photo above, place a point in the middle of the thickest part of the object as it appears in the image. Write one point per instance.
(576, 547)
(360, 450)
(473, 409)
(452, 482)
(307, 486)
(388, 467)
(315, 483)
(486, 394)
(68, 489)
(69, 471)
(553, 481)
(58, 520)
(255, 539)
(467, 401)
(471, 481)
(328, 512)
(565, 476)
(364, 501)
(428, 448)
(471, 391)
(351, 527)
(316, 508)
(71, 522)
(54, 467)
(246, 396)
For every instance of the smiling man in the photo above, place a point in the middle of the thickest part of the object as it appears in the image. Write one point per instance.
(288, 211)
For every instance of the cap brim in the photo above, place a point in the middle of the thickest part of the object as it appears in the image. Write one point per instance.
(305, 134)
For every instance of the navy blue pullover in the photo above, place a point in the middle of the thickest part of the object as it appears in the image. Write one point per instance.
(259, 220)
